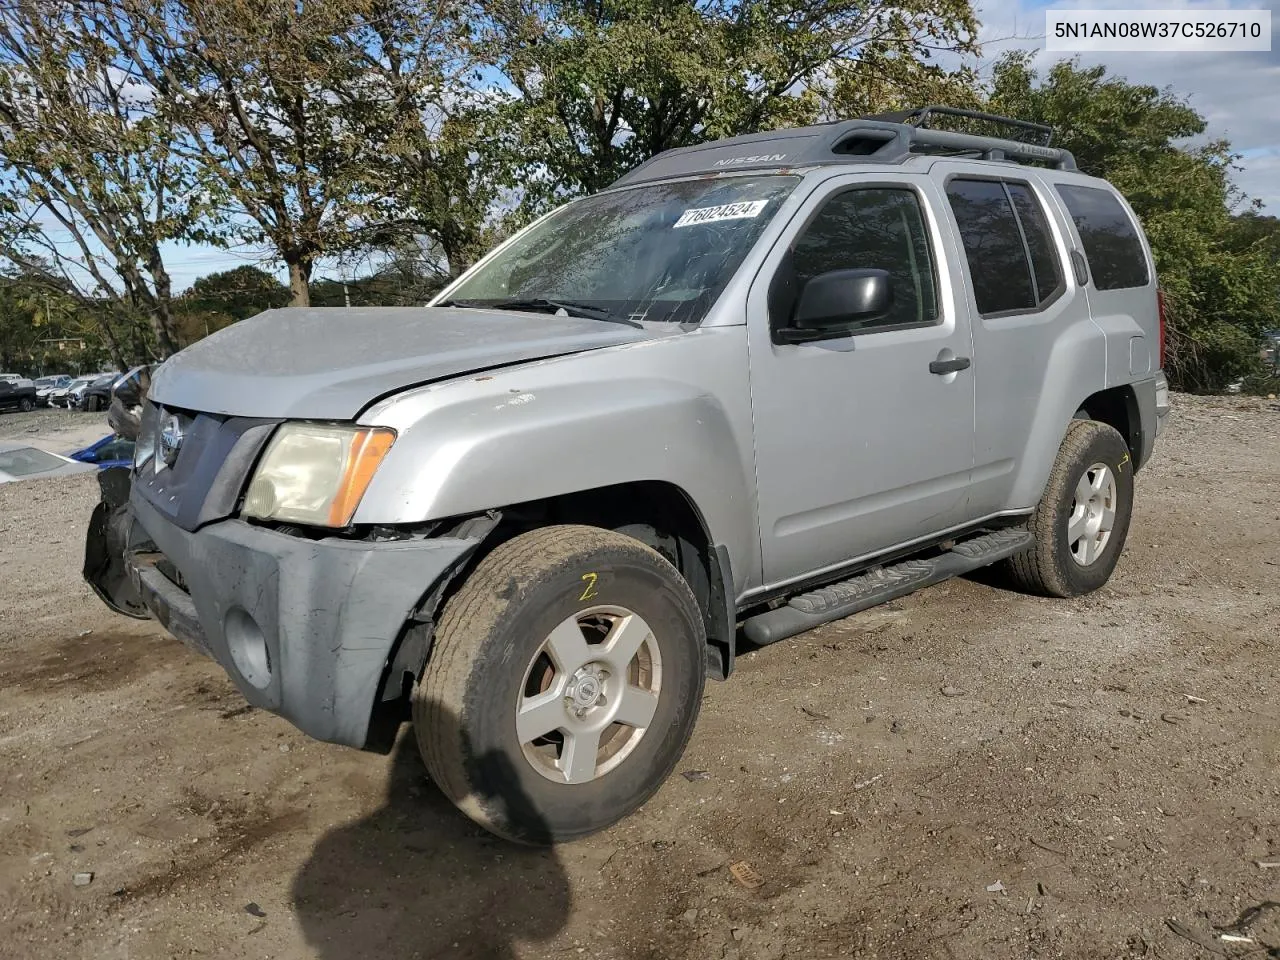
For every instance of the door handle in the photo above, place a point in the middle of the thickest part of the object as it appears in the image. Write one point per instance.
(949, 366)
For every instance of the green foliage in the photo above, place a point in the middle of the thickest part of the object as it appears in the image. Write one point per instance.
(1220, 274)
(91, 187)
(44, 328)
(602, 85)
(237, 294)
(409, 138)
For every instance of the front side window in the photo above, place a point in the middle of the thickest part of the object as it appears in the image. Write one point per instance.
(661, 252)
(1111, 244)
(879, 228)
(1012, 259)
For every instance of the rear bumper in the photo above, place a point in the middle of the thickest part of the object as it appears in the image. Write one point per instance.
(304, 628)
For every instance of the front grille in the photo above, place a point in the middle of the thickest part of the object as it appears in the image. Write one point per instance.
(198, 468)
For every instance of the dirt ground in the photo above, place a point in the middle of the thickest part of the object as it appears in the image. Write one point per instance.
(1100, 780)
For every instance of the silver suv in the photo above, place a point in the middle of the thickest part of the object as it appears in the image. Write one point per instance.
(753, 387)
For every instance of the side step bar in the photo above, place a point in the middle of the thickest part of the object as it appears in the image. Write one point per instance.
(813, 609)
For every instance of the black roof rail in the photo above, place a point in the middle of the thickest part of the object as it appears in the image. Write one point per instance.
(885, 138)
(920, 117)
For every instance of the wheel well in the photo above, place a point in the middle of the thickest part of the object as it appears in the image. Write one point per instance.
(656, 513)
(1118, 408)
(661, 516)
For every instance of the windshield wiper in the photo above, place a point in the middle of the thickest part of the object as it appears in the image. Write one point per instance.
(571, 307)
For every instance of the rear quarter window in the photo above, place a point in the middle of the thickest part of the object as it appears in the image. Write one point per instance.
(1111, 243)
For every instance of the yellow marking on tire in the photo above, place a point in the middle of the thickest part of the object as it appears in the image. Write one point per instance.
(590, 591)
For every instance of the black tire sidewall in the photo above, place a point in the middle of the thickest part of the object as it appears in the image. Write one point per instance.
(1105, 447)
(536, 808)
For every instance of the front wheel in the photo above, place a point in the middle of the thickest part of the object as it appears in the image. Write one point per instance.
(564, 683)
(1082, 519)
(25, 405)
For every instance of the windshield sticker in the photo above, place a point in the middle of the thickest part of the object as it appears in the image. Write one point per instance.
(726, 211)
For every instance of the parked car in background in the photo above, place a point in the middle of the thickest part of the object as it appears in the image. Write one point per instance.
(97, 395)
(61, 396)
(17, 393)
(110, 451)
(22, 462)
(45, 386)
(94, 395)
(127, 396)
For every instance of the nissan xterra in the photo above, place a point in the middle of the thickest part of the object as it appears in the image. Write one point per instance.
(754, 386)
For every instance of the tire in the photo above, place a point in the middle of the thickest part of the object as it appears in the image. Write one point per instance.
(493, 657)
(91, 404)
(25, 405)
(1094, 456)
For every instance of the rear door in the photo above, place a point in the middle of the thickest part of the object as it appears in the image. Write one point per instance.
(859, 446)
(1036, 345)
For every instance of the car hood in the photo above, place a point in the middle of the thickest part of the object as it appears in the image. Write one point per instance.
(331, 363)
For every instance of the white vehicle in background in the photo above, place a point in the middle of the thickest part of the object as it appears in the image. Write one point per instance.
(45, 387)
(78, 396)
(61, 397)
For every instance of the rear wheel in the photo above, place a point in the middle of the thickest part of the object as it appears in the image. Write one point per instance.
(25, 405)
(564, 683)
(1082, 519)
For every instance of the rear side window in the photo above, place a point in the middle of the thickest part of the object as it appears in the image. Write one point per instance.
(1111, 244)
(1012, 259)
(1046, 271)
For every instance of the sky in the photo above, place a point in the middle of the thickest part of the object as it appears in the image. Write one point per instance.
(1238, 93)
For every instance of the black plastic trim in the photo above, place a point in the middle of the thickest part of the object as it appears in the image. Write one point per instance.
(721, 616)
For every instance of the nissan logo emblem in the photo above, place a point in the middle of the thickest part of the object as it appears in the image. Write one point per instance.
(170, 439)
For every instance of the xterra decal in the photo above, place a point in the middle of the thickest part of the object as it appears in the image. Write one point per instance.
(726, 211)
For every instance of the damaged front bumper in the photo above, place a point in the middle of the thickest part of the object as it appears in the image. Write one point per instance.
(305, 628)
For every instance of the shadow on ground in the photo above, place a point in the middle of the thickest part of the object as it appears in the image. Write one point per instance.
(418, 879)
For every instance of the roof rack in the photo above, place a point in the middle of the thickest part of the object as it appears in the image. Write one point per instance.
(919, 119)
(882, 138)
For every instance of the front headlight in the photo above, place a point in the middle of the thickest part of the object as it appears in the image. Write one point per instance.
(316, 473)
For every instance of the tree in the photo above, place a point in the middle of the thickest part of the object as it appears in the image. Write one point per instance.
(239, 293)
(87, 161)
(44, 328)
(599, 86)
(295, 112)
(1220, 279)
(226, 297)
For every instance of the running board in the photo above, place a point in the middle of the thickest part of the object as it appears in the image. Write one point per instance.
(813, 609)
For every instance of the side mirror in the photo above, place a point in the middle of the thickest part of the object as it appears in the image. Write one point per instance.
(832, 303)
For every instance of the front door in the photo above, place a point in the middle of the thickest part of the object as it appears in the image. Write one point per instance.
(860, 445)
